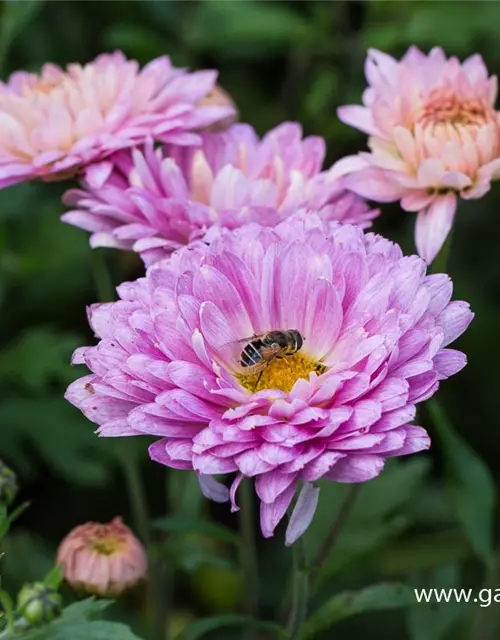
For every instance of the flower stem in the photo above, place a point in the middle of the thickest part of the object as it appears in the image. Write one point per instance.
(248, 550)
(136, 491)
(337, 525)
(300, 586)
(8, 612)
(131, 469)
(102, 277)
(138, 503)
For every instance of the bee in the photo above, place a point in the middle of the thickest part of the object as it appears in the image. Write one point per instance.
(262, 349)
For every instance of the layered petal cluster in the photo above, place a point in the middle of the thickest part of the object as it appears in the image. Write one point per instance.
(103, 559)
(54, 123)
(155, 200)
(375, 331)
(434, 135)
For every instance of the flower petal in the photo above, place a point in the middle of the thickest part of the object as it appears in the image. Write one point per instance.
(302, 514)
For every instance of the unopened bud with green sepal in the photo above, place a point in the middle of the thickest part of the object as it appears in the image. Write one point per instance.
(38, 604)
(8, 485)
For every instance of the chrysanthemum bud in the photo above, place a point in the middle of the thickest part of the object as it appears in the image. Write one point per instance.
(102, 559)
(38, 603)
(8, 485)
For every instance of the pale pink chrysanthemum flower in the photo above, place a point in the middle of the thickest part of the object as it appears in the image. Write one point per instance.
(177, 354)
(102, 559)
(155, 200)
(54, 123)
(434, 136)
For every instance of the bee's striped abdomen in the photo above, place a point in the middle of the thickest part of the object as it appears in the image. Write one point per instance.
(251, 354)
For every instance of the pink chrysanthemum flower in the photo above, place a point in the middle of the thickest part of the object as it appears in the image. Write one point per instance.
(154, 201)
(374, 329)
(434, 136)
(103, 559)
(54, 123)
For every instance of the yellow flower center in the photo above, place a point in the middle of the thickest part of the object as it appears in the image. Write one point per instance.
(281, 373)
(106, 546)
(105, 540)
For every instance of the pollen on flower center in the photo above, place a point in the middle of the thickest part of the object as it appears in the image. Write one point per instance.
(446, 107)
(105, 539)
(107, 545)
(281, 373)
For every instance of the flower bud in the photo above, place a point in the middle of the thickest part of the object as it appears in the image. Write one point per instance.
(102, 559)
(8, 485)
(38, 604)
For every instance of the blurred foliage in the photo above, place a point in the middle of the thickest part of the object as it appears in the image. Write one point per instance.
(419, 523)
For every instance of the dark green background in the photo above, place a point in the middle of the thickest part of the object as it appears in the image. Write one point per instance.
(280, 61)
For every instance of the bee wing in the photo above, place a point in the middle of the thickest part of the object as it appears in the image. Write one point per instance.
(270, 352)
(242, 340)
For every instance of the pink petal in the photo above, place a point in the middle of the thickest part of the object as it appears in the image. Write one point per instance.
(346, 165)
(448, 362)
(374, 184)
(271, 514)
(356, 468)
(302, 514)
(433, 226)
(212, 489)
(454, 320)
(270, 485)
(359, 117)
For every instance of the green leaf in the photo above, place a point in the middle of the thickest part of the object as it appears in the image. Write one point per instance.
(7, 606)
(138, 41)
(343, 605)
(39, 357)
(201, 627)
(86, 630)
(388, 492)
(233, 27)
(375, 517)
(423, 551)
(189, 552)
(433, 621)
(180, 524)
(469, 483)
(54, 577)
(75, 624)
(84, 609)
(58, 433)
(359, 544)
(15, 16)
(164, 14)
(5, 523)
(27, 557)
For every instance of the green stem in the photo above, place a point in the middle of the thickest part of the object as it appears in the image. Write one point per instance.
(140, 513)
(248, 550)
(102, 277)
(337, 525)
(8, 608)
(131, 469)
(300, 586)
(136, 491)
